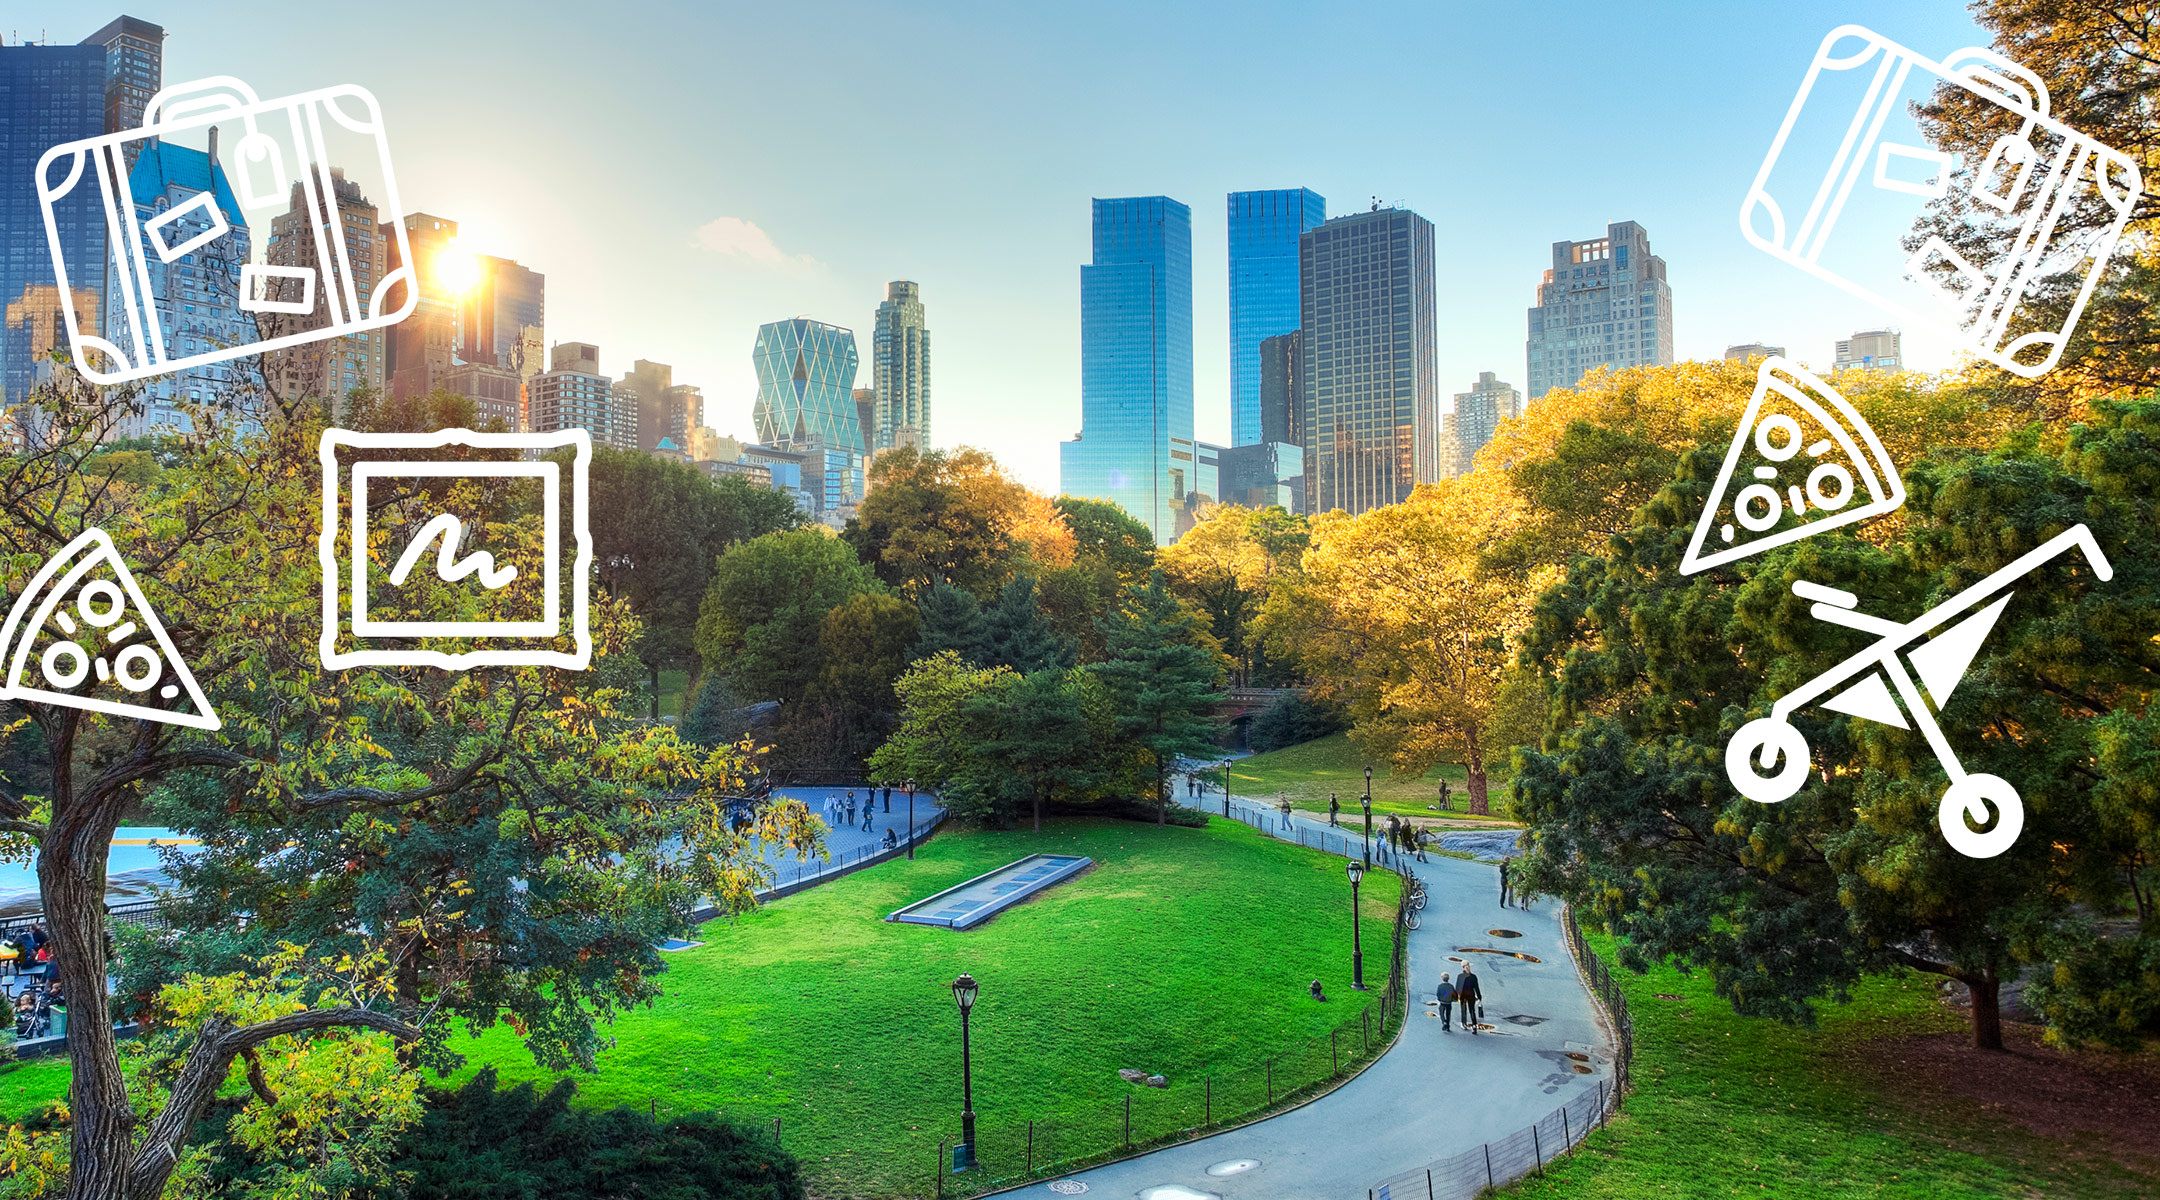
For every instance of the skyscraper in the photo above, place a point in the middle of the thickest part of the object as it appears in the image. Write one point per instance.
(573, 394)
(1264, 231)
(1282, 414)
(806, 385)
(1366, 353)
(866, 414)
(1478, 412)
(900, 368)
(419, 351)
(684, 407)
(48, 95)
(1881, 349)
(330, 368)
(1136, 364)
(134, 71)
(1602, 302)
(645, 390)
(502, 318)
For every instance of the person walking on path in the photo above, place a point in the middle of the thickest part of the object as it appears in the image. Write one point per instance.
(1446, 996)
(869, 816)
(1471, 997)
(888, 799)
(1394, 830)
(1334, 811)
(1505, 893)
(1285, 806)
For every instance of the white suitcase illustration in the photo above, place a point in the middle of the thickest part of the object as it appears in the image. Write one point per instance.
(267, 149)
(1845, 184)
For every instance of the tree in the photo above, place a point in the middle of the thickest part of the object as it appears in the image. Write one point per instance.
(936, 733)
(1111, 552)
(954, 516)
(409, 847)
(1649, 675)
(1162, 672)
(1226, 565)
(1039, 742)
(1019, 636)
(952, 619)
(767, 603)
(862, 648)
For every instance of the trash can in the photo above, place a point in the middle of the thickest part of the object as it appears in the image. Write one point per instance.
(59, 1020)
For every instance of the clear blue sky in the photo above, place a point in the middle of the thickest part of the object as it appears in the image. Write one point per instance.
(958, 144)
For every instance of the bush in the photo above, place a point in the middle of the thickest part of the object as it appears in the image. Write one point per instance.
(1294, 718)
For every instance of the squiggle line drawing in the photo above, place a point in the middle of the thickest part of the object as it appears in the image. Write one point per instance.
(448, 533)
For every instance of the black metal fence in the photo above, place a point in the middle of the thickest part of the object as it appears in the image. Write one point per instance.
(1466, 1174)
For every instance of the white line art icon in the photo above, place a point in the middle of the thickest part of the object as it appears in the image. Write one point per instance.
(1767, 758)
(1812, 453)
(288, 141)
(82, 606)
(345, 582)
(2024, 185)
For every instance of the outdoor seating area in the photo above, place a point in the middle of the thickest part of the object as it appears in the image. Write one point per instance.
(30, 982)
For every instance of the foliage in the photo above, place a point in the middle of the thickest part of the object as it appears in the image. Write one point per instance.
(952, 619)
(862, 647)
(1161, 671)
(936, 729)
(1018, 635)
(954, 516)
(1038, 741)
(1294, 717)
(768, 600)
(1225, 566)
(1111, 552)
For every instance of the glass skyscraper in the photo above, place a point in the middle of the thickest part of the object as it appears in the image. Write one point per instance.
(48, 95)
(1604, 302)
(900, 369)
(806, 385)
(1366, 349)
(1264, 229)
(1136, 364)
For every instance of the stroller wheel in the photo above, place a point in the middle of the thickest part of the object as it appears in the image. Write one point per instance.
(1757, 747)
(1974, 795)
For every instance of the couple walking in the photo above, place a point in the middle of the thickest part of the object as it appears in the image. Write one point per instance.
(1464, 992)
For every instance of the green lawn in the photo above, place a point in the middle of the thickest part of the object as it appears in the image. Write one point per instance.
(1728, 1106)
(25, 1085)
(673, 685)
(1308, 771)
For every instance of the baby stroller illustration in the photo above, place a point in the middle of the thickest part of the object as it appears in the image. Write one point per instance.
(1767, 759)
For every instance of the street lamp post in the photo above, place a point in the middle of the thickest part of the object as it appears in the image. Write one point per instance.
(1357, 943)
(911, 820)
(1226, 787)
(963, 990)
(1368, 818)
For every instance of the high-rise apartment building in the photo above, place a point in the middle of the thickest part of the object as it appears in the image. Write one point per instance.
(419, 351)
(644, 389)
(1136, 364)
(573, 394)
(683, 408)
(1478, 412)
(497, 394)
(134, 71)
(900, 369)
(330, 368)
(1264, 232)
(1367, 346)
(48, 95)
(806, 385)
(1604, 302)
(502, 318)
(1282, 416)
(866, 415)
(195, 297)
(1742, 353)
(1879, 349)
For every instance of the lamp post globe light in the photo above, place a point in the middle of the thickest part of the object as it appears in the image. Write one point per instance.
(1357, 942)
(1368, 818)
(963, 990)
(910, 785)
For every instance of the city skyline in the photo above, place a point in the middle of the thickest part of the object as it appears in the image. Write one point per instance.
(685, 267)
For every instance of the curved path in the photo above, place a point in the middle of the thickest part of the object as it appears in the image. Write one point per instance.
(1431, 1095)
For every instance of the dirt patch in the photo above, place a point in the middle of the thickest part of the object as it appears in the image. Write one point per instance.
(2095, 1105)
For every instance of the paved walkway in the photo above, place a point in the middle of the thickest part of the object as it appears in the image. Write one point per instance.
(1434, 1093)
(848, 843)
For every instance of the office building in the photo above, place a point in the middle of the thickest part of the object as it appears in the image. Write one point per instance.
(502, 318)
(1478, 412)
(573, 394)
(1367, 337)
(1136, 363)
(1282, 417)
(48, 95)
(1264, 232)
(1753, 350)
(195, 298)
(134, 72)
(806, 385)
(419, 351)
(900, 369)
(866, 415)
(1604, 302)
(497, 394)
(1261, 475)
(1878, 349)
(1203, 484)
(644, 391)
(682, 408)
(330, 368)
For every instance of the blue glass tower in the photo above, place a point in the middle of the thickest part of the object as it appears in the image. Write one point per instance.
(806, 385)
(48, 95)
(1136, 364)
(1264, 229)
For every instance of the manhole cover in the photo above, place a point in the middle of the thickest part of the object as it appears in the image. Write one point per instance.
(1235, 1166)
(1524, 1019)
(1067, 1187)
(1503, 933)
(1506, 953)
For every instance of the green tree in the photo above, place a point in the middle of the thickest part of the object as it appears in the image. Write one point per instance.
(1111, 551)
(1019, 636)
(862, 648)
(766, 607)
(1162, 671)
(954, 516)
(1226, 565)
(936, 732)
(952, 619)
(1038, 742)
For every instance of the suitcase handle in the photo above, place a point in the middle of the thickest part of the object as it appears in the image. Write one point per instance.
(218, 93)
(1992, 71)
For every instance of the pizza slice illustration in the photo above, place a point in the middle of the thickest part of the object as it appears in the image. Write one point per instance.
(1802, 461)
(82, 635)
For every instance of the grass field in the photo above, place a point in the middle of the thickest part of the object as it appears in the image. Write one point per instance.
(673, 700)
(1883, 1100)
(1308, 771)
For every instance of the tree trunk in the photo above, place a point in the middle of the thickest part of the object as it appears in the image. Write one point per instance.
(1986, 991)
(71, 878)
(1474, 769)
(1038, 812)
(653, 671)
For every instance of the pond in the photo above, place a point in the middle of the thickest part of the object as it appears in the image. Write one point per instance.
(132, 868)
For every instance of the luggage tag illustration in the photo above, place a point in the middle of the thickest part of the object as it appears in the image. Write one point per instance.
(81, 635)
(261, 159)
(1844, 191)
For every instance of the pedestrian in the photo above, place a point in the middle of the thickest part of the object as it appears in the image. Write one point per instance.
(1334, 811)
(1471, 997)
(1446, 995)
(1506, 893)
(1422, 837)
(851, 808)
(1285, 806)
(869, 815)
(1393, 837)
